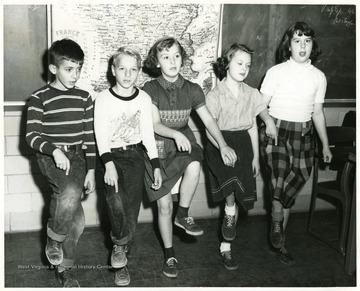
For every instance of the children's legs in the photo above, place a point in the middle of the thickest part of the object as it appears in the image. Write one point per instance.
(277, 211)
(228, 227)
(72, 238)
(124, 205)
(286, 216)
(67, 191)
(227, 258)
(284, 256)
(230, 200)
(187, 190)
(66, 221)
(165, 210)
(277, 231)
(189, 184)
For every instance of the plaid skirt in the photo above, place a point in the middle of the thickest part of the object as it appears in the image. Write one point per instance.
(225, 180)
(288, 165)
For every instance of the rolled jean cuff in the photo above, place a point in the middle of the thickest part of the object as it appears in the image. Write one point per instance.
(54, 236)
(67, 263)
(121, 242)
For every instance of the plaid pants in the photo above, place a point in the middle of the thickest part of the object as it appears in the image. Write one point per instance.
(288, 165)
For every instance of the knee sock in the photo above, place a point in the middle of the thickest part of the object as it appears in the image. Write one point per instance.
(182, 212)
(230, 210)
(169, 253)
(225, 246)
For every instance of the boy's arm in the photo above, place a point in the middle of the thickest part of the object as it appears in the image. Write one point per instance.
(89, 142)
(89, 183)
(89, 136)
(101, 128)
(34, 127)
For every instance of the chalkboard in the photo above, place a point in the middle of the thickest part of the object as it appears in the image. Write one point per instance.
(262, 27)
(25, 43)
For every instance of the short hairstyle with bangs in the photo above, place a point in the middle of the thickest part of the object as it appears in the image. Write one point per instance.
(129, 51)
(300, 28)
(150, 63)
(65, 49)
(222, 64)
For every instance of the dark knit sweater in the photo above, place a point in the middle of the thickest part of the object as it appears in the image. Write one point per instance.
(57, 117)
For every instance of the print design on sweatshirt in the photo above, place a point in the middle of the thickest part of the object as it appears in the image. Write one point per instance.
(125, 127)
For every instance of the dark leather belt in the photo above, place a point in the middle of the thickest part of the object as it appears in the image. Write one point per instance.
(127, 147)
(68, 148)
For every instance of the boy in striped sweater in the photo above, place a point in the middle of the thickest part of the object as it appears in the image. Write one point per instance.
(60, 129)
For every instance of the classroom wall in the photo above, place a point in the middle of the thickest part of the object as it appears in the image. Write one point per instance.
(26, 192)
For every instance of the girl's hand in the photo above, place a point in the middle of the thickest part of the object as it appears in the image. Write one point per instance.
(157, 179)
(111, 175)
(61, 161)
(228, 156)
(182, 142)
(327, 155)
(271, 131)
(256, 167)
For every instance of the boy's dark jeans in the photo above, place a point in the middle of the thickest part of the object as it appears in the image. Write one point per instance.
(124, 206)
(66, 222)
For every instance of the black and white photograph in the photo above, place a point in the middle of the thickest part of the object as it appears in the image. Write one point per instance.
(179, 144)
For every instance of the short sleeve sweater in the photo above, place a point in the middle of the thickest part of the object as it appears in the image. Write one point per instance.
(176, 100)
(294, 89)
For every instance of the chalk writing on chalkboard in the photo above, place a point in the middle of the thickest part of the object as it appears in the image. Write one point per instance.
(262, 27)
(339, 14)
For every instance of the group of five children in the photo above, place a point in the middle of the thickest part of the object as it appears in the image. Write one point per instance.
(144, 135)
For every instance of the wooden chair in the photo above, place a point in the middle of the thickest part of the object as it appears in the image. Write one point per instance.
(342, 142)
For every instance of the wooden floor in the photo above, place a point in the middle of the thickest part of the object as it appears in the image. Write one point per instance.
(200, 265)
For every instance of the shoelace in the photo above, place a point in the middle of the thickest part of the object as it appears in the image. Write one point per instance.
(171, 262)
(228, 255)
(55, 245)
(277, 227)
(230, 220)
(119, 248)
(189, 220)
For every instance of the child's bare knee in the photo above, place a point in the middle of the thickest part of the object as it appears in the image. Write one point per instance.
(165, 208)
(193, 169)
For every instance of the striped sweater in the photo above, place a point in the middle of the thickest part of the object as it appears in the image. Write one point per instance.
(57, 117)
